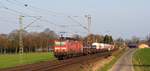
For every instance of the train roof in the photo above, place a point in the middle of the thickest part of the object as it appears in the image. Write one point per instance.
(68, 38)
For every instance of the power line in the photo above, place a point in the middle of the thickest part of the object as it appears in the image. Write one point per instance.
(12, 10)
(39, 9)
(18, 3)
(77, 22)
(32, 22)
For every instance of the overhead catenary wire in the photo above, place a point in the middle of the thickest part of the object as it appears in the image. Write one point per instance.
(16, 12)
(40, 10)
(77, 22)
(32, 22)
(50, 12)
(12, 10)
(17, 5)
(32, 16)
(16, 9)
(20, 3)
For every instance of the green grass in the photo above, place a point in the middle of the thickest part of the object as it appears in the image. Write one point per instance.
(12, 60)
(115, 56)
(141, 60)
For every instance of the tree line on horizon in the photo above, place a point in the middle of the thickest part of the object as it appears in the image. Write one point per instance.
(41, 41)
(32, 41)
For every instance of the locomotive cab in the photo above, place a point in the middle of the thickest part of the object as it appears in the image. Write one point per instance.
(67, 47)
(60, 46)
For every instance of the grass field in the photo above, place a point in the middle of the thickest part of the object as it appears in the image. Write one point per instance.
(11, 60)
(141, 60)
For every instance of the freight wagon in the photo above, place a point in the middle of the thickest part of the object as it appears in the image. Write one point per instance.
(103, 46)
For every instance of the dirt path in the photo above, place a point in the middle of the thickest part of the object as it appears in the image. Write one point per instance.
(125, 62)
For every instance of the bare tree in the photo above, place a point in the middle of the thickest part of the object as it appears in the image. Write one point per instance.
(148, 39)
(135, 40)
(120, 42)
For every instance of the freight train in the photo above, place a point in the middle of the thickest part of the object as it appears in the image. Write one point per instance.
(70, 47)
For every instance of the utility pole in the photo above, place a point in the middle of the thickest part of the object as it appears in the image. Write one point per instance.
(88, 17)
(21, 29)
(21, 50)
(88, 23)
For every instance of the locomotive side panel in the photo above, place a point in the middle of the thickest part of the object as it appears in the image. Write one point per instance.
(69, 49)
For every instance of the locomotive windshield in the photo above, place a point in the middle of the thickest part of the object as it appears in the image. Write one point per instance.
(93, 46)
(59, 43)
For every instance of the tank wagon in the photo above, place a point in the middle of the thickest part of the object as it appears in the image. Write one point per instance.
(103, 47)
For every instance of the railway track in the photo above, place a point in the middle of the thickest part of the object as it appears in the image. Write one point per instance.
(52, 65)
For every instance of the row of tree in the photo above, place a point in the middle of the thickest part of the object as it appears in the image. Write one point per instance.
(88, 40)
(42, 41)
(33, 41)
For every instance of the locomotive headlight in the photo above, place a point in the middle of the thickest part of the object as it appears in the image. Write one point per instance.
(57, 48)
(64, 48)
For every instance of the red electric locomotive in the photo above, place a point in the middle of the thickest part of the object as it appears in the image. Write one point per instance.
(67, 48)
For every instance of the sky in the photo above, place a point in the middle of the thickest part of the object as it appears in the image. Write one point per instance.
(119, 18)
